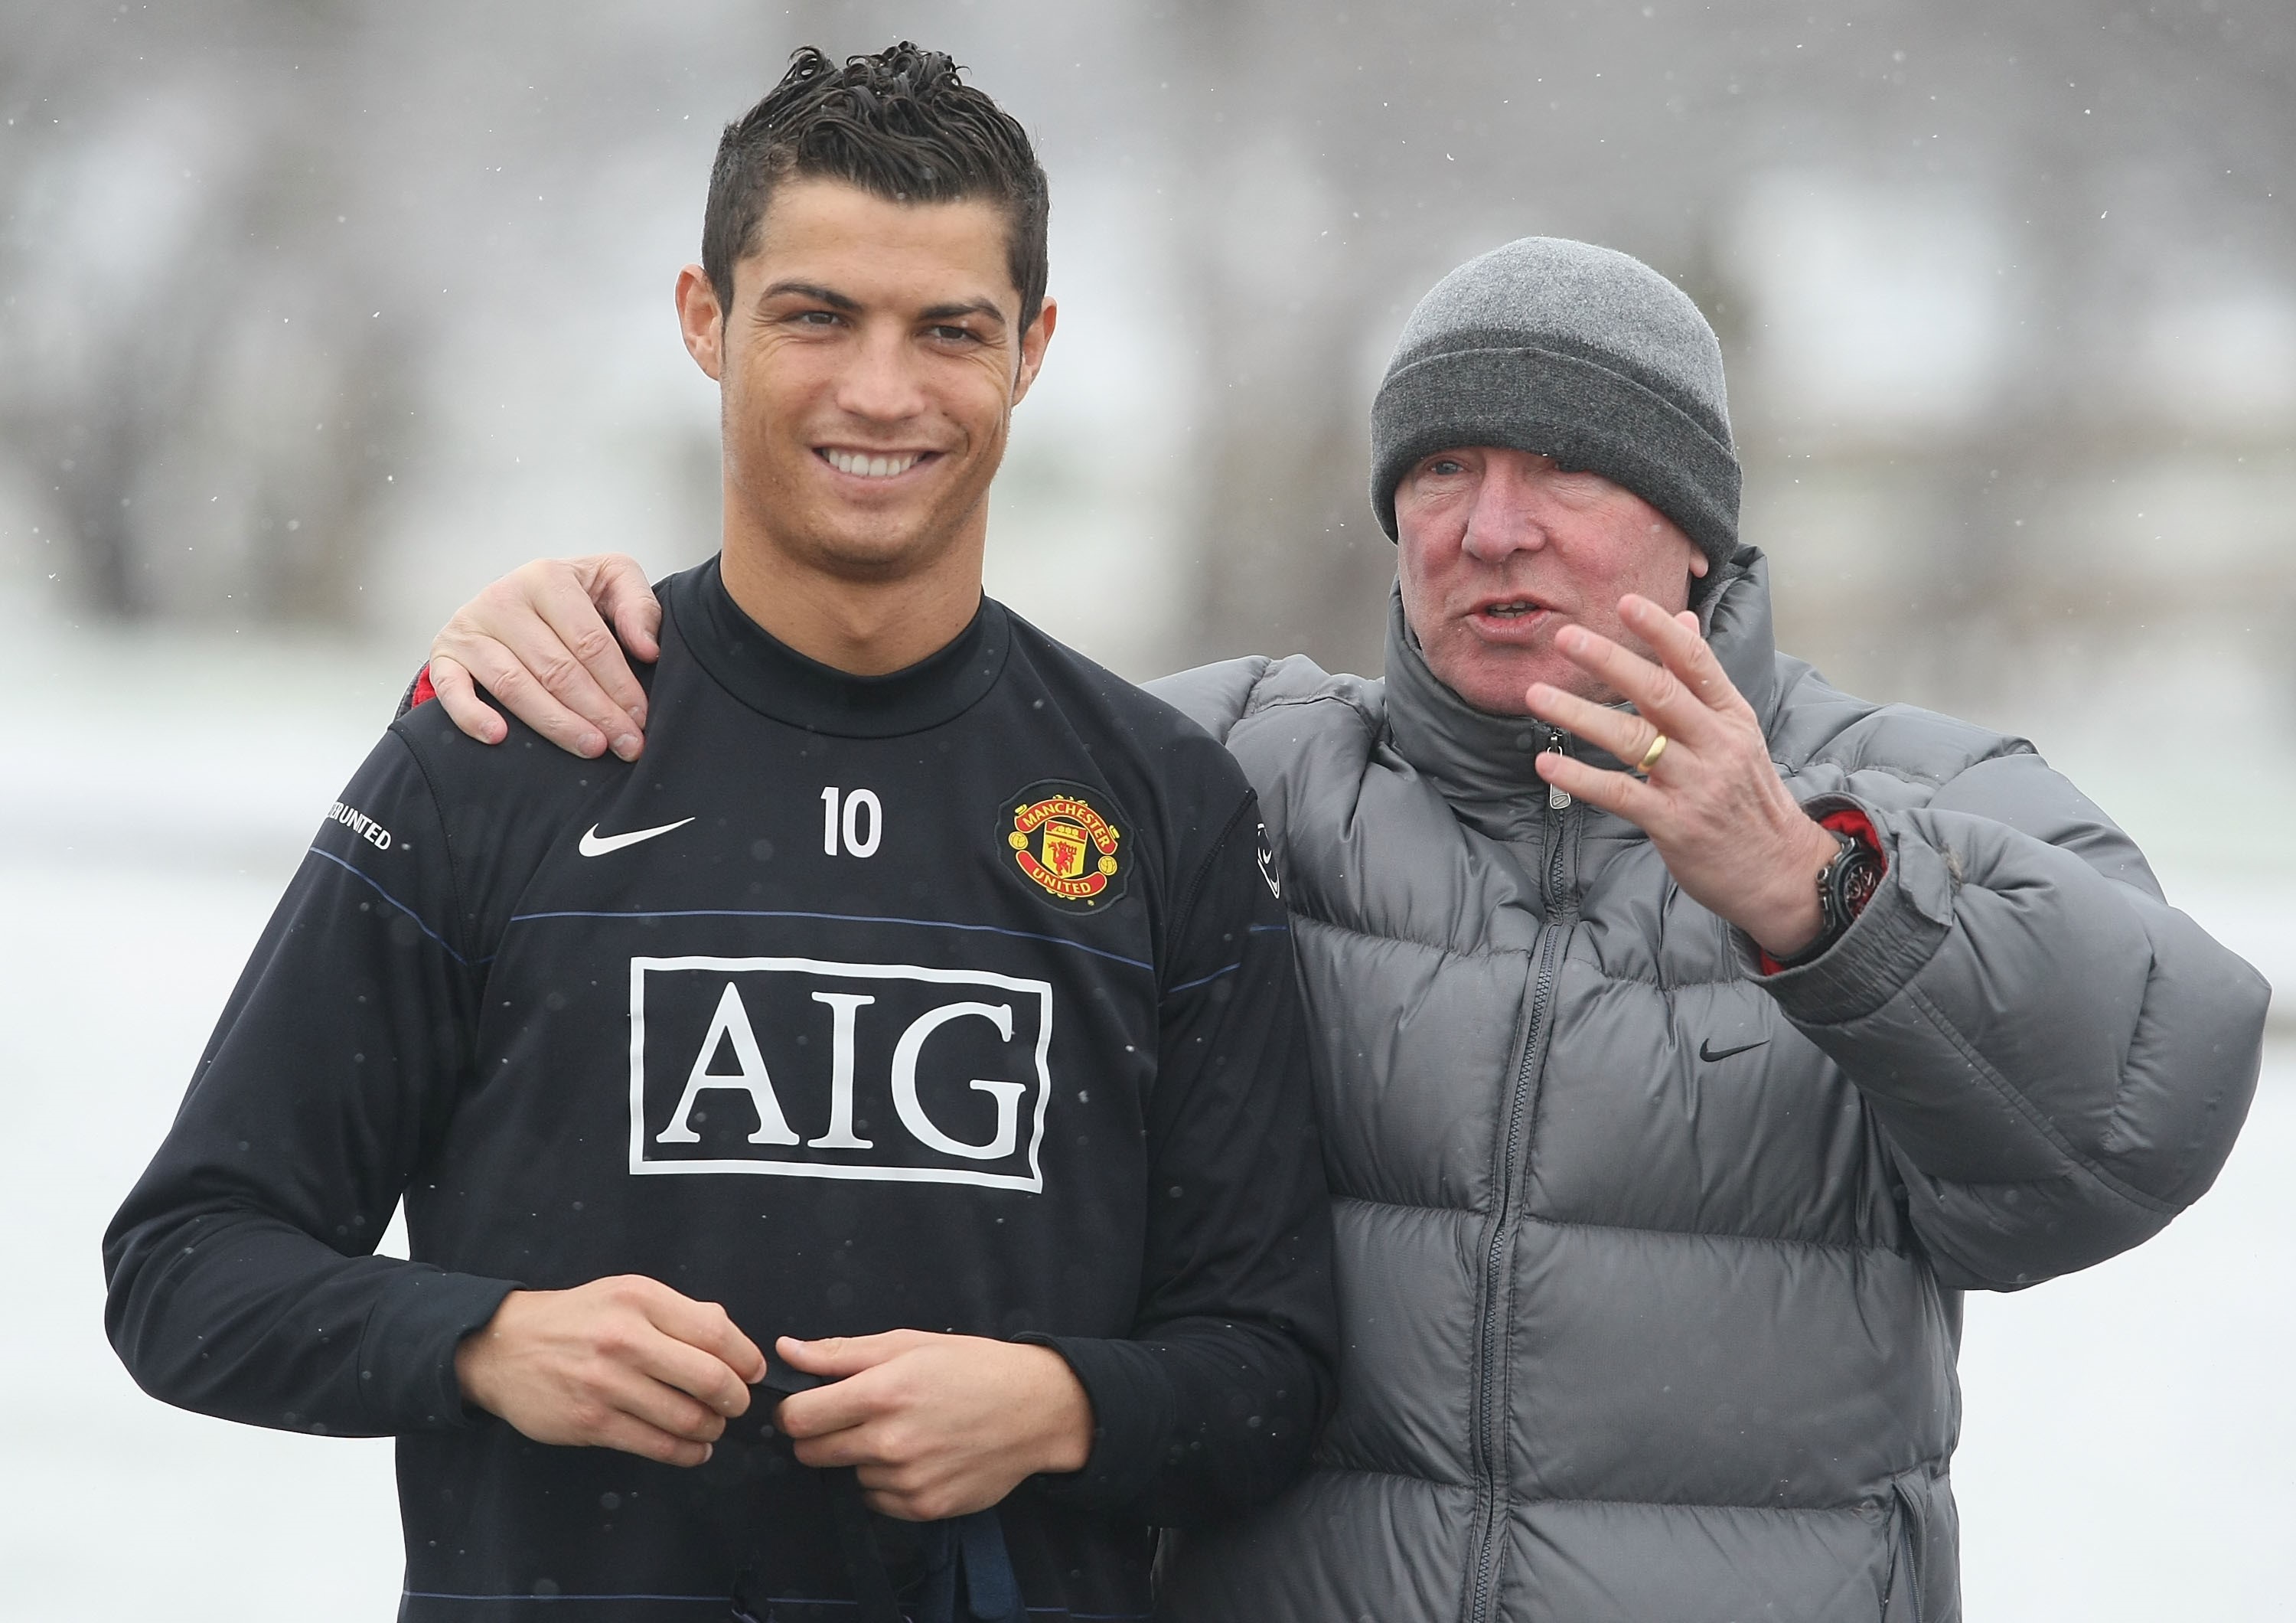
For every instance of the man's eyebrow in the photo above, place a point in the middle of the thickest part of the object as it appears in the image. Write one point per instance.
(972, 307)
(807, 290)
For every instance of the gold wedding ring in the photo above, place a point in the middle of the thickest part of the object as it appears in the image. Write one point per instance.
(1651, 755)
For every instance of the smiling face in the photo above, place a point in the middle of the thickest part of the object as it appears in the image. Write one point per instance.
(869, 366)
(1499, 549)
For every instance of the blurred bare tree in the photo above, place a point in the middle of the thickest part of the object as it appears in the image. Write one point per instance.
(1346, 156)
(201, 373)
(254, 253)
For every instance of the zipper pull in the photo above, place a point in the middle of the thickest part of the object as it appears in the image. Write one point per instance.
(1558, 799)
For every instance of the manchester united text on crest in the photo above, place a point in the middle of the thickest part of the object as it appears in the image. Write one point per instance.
(1064, 843)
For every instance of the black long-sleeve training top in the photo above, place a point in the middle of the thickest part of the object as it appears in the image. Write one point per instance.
(959, 999)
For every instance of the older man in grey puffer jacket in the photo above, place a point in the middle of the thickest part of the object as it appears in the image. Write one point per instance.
(1668, 1115)
(1651, 1262)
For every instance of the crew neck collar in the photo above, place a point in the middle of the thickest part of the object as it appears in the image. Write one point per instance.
(774, 679)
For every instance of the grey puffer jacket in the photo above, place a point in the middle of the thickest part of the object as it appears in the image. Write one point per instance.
(1650, 1267)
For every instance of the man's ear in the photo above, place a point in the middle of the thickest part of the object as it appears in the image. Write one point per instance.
(702, 321)
(1034, 337)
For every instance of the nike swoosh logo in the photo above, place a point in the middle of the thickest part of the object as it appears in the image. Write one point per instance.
(1706, 1050)
(592, 846)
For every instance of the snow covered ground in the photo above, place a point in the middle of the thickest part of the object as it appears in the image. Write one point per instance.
(2129, 1432)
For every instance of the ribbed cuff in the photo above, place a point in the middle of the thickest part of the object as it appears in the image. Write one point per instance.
(1136, 1413)
(406, 1352)
(1887, 946)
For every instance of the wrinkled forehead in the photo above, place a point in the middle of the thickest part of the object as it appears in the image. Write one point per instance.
(1499, 468)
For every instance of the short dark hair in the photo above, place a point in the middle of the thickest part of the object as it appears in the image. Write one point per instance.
(900, 124)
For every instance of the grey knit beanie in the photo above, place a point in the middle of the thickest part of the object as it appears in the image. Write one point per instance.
(1571, 351)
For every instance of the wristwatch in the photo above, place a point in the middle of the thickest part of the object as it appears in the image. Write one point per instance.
(1844, 887)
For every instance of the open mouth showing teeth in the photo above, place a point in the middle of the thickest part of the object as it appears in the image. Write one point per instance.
(863, 465)
(1511, 611)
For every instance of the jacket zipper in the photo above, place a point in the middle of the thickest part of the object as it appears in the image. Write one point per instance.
(1491, 1421)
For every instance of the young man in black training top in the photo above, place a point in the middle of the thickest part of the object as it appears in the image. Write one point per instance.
(923, 993)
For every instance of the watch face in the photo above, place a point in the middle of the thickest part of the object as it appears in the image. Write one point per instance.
(1860, 878)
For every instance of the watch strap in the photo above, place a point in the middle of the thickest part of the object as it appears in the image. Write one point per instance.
(1844, 885)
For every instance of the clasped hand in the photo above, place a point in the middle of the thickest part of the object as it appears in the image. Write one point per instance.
(934, 1425)
(1727, 826)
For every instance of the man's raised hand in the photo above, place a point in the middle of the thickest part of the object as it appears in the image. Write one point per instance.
(538, 640)
(624, 1363)
(935, 1426)
(1728, 827)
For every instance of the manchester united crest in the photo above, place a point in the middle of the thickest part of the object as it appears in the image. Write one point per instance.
(1064, 838)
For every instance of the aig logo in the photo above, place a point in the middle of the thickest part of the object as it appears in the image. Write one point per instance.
(796, 1067)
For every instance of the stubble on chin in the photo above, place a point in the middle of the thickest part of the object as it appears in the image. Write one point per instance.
(1496, 684)
(1470, 668)
(810, 529)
